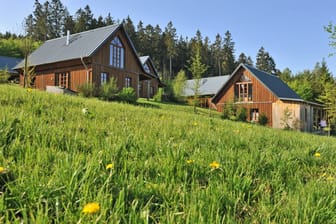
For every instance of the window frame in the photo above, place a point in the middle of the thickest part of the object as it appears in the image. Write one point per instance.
(117, 53)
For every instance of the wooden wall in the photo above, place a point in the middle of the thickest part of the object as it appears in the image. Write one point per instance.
(262, 98)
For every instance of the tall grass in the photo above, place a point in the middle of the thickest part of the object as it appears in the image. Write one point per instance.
(57, 154)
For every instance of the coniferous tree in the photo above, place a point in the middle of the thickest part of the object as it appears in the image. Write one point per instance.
(56, 18)
(265, 62)
(109, 20)
(229, 63)
(217, 54)
(170, 40)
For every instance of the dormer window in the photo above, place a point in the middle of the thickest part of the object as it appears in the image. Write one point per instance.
(117, 53)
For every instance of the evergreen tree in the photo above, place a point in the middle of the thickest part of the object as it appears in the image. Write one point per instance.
(170, 41)
(197, 69)
(109, 20)
(56, 18)
(244, 59)
(265, 62)
(84, 19)
(69, 23)
(217, 54)
(40, 21)
(286, 75)
(229, 63)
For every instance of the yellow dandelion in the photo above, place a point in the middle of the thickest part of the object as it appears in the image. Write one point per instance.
(110, 166)
(91, 208)
(214, 165)
(29, 90)
(2, 169)
(190, 161)
(317, 154)
(195, 123)
(330, 178)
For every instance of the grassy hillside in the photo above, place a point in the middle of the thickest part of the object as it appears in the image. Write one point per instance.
(154, 163)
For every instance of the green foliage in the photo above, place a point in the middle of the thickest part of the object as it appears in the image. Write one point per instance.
(303, 88)
(263, 119)
(4, 75)
(286, 119)
(265, 62)
(242, 114)
(109, 90)
(179, 84)
(127, 95)
(87, 89)
(158, 96)
(229, 111)
(152, 165)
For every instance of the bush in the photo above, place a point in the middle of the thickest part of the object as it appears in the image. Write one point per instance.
(242, 114)
(263, 120)
(127, 95)
(4, 75)
(109, 90)
(87, 90)
(229, 111)
(158, 96)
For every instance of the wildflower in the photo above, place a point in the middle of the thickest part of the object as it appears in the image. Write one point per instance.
(214, 165)
(190, 161)
(91, 208)
(330, 178)
(2, 170)
(85, 111)
(317, 154)
(29, 90)
(195, 124)
(110, 166)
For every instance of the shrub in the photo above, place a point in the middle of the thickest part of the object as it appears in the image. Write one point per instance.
(87, 90)
(229, 111)
(263, 120)
(127, 95)
(109, 90)
(242, 114)
(4, 75)
(158, 96)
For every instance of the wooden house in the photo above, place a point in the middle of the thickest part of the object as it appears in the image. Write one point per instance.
(208, 87)
(266, 94)
(92, 56)
(148, 88)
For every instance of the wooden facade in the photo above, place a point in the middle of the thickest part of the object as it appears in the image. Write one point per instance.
(96, 68)
(245, 89)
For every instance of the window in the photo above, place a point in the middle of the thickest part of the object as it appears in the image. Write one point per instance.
(62, 80)
(146, 67)
(128, 82)
(243, 92)
(103, 78)
(254, 114)
(117, 53)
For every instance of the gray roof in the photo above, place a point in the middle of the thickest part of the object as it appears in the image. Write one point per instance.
(80, 45)
(272, 82)
(9, 63)
(278, 87)
(209, 86)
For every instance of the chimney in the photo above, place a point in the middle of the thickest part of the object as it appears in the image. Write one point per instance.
(68, 37)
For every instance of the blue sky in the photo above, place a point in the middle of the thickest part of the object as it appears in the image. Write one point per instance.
(290, 30)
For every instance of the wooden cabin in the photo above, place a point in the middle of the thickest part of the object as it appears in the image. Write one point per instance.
(266, 94)
(148, 88)
(93, 56)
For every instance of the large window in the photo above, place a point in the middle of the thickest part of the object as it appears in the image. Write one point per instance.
(117, 53)
(243, 92)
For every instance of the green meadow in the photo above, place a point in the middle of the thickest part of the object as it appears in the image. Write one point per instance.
(154, 163)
